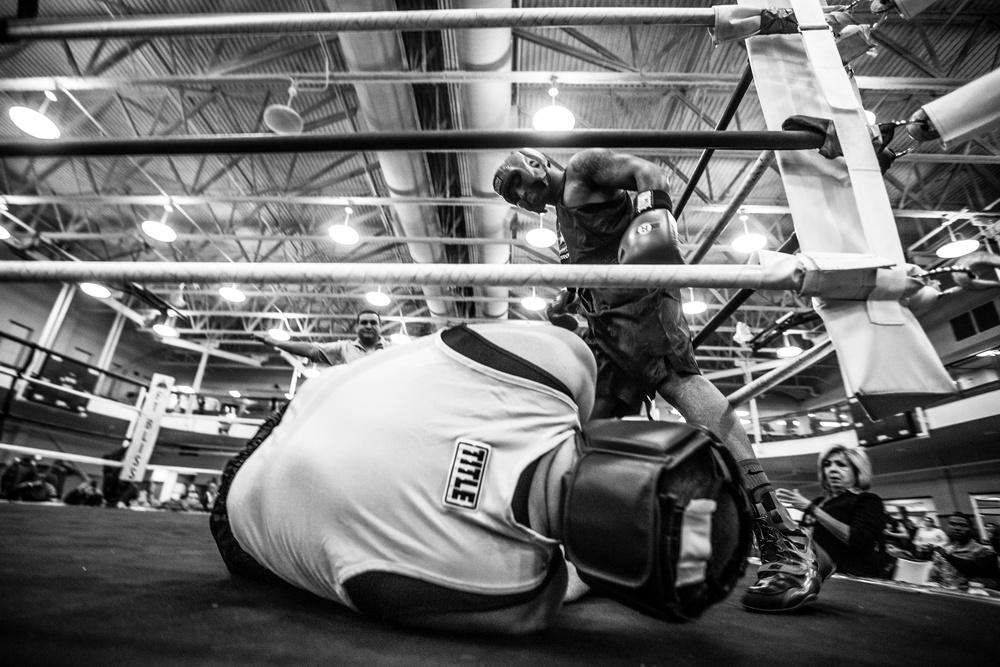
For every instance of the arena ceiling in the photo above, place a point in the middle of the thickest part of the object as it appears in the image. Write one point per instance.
(434, 205)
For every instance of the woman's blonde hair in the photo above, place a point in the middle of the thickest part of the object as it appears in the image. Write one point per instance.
(858, 460)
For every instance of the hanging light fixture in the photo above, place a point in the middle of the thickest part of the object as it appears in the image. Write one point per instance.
(35, 123)
(95, 290)
(541, 236)
(553, 118)
(282, 118)
(788, 350)
(166, 328)
(748, 242)
(378, 297)
(159, 230)
(956, 247)
(533, 302)
(279, 332)
(343, 233)
(400, 337)
(693, 307)
(232, 293)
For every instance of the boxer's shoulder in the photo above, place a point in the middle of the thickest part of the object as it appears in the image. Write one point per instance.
(553, 349)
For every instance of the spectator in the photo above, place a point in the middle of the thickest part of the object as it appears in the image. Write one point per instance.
(993, 536)
(907, 522)
(86, 493)
(847, 520)
(209, 494)
(144, 501)
(117, 492)
(897, 539)
(187, 501)
(367, 327)
(927, 537)
(640, 337)
(23, 469)
(964, 559)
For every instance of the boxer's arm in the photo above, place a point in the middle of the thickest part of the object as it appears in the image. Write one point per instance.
(307, 350)
(599, 170)
(417, 603)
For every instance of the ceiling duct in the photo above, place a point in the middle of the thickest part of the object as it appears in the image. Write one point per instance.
(392, 108)
(485, 105)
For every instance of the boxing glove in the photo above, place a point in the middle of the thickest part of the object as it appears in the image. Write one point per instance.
(652, 236)
(558, 313)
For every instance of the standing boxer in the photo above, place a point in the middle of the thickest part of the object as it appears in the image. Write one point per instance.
(640, 337)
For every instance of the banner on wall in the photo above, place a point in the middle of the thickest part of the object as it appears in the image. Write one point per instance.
(147, 428)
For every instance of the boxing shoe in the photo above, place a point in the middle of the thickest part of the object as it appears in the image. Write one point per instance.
(789, 575)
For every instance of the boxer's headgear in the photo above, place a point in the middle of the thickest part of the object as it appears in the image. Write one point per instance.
(655, 517)
(514, 170)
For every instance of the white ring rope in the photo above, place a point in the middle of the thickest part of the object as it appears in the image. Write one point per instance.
(555, 275)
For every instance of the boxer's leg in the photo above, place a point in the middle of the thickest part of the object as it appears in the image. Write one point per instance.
(788, 576)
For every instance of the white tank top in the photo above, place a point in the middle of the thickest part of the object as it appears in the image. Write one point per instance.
(406, 462)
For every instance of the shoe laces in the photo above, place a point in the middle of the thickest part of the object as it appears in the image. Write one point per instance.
(776, 547)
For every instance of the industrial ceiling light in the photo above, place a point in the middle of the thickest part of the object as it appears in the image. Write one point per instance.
(400, 337)
(988, 353)
(166, 328)
(232, 293)
(693, 307)
(282, 118)
(541, 236)
(343, 233)
(533, 302)
(553, 118)
(279, 332)
(35, 123)
(234, 393)
(788, 350)
(378, 297)
(159, 230)
(95, 290)
(4, 234)
(956, 247)
(748, 242)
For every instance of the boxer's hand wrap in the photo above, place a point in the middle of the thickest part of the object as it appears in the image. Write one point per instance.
(649, 199)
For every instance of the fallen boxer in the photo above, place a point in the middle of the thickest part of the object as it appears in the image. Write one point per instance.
(454, 499)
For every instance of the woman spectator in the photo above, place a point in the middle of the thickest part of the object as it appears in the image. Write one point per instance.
(897, 539)
(847, 520)
(927, 537)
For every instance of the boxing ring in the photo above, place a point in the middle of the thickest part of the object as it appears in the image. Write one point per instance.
(81, 584)
(86, 585)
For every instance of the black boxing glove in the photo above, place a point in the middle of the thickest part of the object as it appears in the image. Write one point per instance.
(651, 239)
(558, 312)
